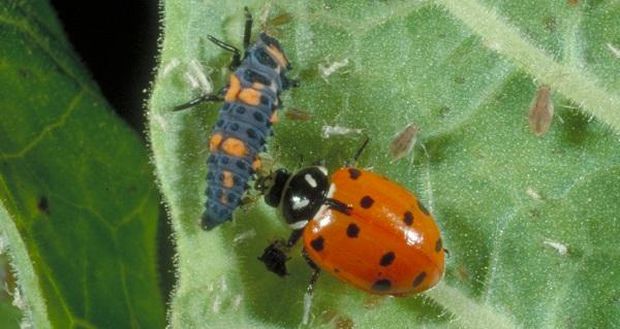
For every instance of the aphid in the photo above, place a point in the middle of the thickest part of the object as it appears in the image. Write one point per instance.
(251, 99)
(357, 225)
(541, 111)
(297, 115)
(403, 142)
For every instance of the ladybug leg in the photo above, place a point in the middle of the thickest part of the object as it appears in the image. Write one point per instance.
(358, 153)
(294, 237)
(338, 206)
(310, 290)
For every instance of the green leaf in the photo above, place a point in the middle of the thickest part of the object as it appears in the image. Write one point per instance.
(531, 223)
(79, 208)
(10, 315)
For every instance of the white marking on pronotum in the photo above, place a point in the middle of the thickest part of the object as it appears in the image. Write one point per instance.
(323, 170)
(298, 225)
(321, 212)
(310, 180)
(329, 131)
(328, 69)
(613, 50)
(561, 248)
(299, 203)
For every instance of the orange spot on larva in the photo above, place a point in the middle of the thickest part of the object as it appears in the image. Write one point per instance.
(274, 117)
(256, 164)
(278, 56)
(214, 142)
(234, 87)
(234, 147)
(258, 85)
(227, 179)
(249, 96)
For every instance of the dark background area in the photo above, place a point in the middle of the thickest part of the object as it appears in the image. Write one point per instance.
(117, 41)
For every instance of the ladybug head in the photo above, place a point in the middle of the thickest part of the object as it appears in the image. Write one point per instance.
(272, 185)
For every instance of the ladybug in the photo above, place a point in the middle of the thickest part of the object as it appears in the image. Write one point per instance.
(251, 100)
(357, 225)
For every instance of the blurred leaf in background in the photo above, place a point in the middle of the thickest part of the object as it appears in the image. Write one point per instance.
(79, 208)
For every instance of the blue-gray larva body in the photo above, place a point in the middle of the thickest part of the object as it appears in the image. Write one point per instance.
(250, 103)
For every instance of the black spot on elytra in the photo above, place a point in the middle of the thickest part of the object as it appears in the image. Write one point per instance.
(318, 244)
(234, 126)
(408, 218)
(382, 285)
(264, 100)
(387, 259)
(353, 230)
(354, 173)
(220, 123)
(424, 210)
(240, 109)
(438, 245)
(43, 205)
(366, 202)
(251, 133)
(418, 279)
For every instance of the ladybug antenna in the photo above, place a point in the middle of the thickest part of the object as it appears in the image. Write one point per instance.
(361, 149)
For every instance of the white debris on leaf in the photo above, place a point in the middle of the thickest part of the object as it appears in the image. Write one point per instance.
(243, 236)
(615, 51)
(168, 67)
(196, 76)
(330, 131)
(307, 308)
(533, 193)
(325, 70)
(561, 248)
